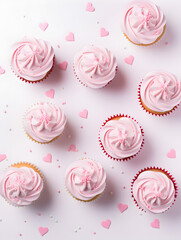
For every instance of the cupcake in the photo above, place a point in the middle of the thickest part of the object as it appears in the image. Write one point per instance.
(21, 184)
(44, 122)
(85, 179)
(159, 93)
(120, 137)
(143, 23)
(32, 59)
(154, 190)
(95, 66)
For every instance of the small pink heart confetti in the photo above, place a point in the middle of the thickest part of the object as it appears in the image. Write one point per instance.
(129, 60)
(63, 65)
(48, 158)
(106, 224)
(43, 26)
(70, 37)
(89, 7)
(2, 157)
(72, 148)
(83, 114)
(155, 223)
(2, 71)
(43, 230)
(122, 207)
(50, 93)
(103, 32)
(171, 153)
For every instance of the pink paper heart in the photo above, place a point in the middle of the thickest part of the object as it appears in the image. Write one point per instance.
(70, 37)
(63, 65)
(106, 224)
(43, 26)
(103, 32)
(129, 60)
(122, 207)
(89, 7)
(155, 223)
(50, 93)
(172, 153)
(72, 148)
(43, 230)
(2, 157)
(48, 158)
(83, 114)
(2, 71)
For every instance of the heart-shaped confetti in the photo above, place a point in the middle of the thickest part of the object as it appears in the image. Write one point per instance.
(122, 207)
(50, 93)
(63, 65)
(70, 37)
(43, 230)
(155, 223)
(129, 60)
(43, 26)
(72, 148)
(171, 153)
(2, 157)
(83, 114)
(89, 7)
(103, 32)
(106, 224)
(2, 71)
(48, 158)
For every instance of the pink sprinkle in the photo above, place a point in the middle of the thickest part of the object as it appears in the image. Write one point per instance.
(25, 221)
(81, 126)
(20, 234)
(30, 150)
(166, 43)
(58, 191)
(57, 160)
(85, 153)
(72, 148)
(39, 214)
(58, 45)
(124, 187)
(94, 232)
(58, 166)
(63, 103)
(5, 111)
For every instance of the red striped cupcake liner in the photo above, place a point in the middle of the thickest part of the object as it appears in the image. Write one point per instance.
(116, 69)
(37, 81)
(102, 147)
(152, 168)
(155, 114)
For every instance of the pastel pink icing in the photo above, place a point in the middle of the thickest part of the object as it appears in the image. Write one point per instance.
(121, 138)
(154, 191)
(20, 186)
(85, 179)
(32, 58)
(95, 66)
(44, 122)
(143, 22)
(160, 91)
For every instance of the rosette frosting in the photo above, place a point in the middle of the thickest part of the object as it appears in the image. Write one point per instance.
(143, 22)
(154, 191)
(95, 66)
(85, 179)
(32, 58)
(160, 91)
(43, 122)
(121, 138)
(20, 186)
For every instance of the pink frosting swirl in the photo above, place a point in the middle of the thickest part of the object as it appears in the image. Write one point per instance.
(44, 122)
(85, 179)
(20, 186)
(154, 191)
(95, 66)
(143, 22)
(121, 138)
(160, 91)
(32, 58)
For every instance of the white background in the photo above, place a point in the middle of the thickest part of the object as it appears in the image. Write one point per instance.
(59, 212)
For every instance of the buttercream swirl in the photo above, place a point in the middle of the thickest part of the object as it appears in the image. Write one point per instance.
(20, 186)
(43, 122)
(95, 66)
(121, 138)
(85, 179)
(160, 91)
(32, 58)
(143, 22)
(154, 191)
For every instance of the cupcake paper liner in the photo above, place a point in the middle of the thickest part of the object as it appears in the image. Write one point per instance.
(154, 168)
(37, 81)
(102, 147)
(116, 69)
(153, 113)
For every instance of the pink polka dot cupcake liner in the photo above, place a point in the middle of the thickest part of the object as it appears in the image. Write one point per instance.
(102, 147)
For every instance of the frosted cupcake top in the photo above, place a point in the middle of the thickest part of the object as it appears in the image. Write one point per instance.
(154, 191)
(95, 66)
(32, 58)
(85, 179)
(121, 138)
(43, 122)
(20, 186)
(143, 22)
(160, 91)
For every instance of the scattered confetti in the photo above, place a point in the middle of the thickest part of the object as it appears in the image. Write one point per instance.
(124, 187)
(166, 43)
(155, 223)
(72, 148)
(106, 224)
(83, 114)
(171, 153)
(48, 158)
(122, 207)
(5, 111)
(81, 126)
(63, 103)
(43, 26)
(58, 45)
(39, 214)
(2, 71)
(58, 166)
(20, 234)
(94, 232)
(50, 93)
(63, 65)
(58, 191)
(129, 60)
(43, 230)
(70, 37)
(2, 157)
(30, 150)
(85, 153)
(103, 32)
(89, 7)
